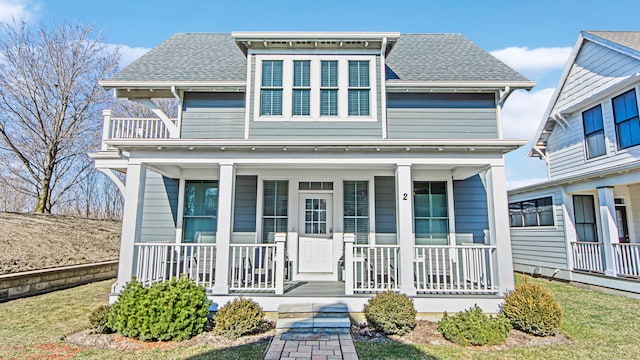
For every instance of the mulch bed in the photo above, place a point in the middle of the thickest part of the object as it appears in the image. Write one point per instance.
(88, 338)
(426, 332)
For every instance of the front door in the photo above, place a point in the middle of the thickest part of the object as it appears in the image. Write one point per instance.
(621, 219)
(316, 233)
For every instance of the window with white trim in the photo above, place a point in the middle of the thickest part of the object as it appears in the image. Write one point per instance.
(359, 88)
(529, 213)
(593, 132)
(315, 88)
(271, 89)
(625, 113)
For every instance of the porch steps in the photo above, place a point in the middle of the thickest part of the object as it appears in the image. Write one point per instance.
(313, 318)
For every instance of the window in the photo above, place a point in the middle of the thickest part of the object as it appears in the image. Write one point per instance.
(430, 212)
(356, 210)
(271, 90)
(585, 218)
(329, 88)
(593, 132)
(200, 211)
(536, 212)
(315, 185)
(301, 87)
(359, 88)
(275, 207)
(625, 113)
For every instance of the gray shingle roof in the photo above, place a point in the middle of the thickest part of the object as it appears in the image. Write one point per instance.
(630, 39)
(416, 57)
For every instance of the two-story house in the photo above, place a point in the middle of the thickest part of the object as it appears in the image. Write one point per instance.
(317, 166)
(583, 224)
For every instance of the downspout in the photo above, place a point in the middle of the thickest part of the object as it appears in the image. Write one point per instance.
(174, 91)
(383, 88)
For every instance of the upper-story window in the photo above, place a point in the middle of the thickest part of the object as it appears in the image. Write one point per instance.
(593, 132)
(625, 113)
(315, 88)
(359, 88)
(271, 90)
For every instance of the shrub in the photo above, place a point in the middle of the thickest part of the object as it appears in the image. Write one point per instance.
(472, 327)
(176, 309)
(391, 313)
(532, 309)
(238, 317)
(99, 318)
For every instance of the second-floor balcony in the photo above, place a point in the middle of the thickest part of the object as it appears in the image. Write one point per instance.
(118, 128)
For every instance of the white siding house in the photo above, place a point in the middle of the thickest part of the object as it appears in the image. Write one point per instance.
(317, 167)
(590, 139)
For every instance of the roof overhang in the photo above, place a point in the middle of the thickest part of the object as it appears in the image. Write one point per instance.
(399, 86)
(315, 40)
(160, 89)
(433, 146)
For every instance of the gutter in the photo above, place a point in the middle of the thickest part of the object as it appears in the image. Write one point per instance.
(481, 85)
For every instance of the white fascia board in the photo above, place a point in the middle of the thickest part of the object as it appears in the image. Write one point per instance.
(471, 85)
(110, 84)
(311, 36)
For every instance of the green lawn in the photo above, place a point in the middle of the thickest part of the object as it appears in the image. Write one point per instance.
(32, 328)
(600, 326)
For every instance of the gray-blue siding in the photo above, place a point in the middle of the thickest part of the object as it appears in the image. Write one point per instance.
(470, 204)
(159, 209)
(441, 116)
(244, 212)
(385, 202)
(213, 115)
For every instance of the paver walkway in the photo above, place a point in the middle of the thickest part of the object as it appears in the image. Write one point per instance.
(311, 346)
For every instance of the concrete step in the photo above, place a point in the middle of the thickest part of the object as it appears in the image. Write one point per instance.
(313, 317)
(312, 323)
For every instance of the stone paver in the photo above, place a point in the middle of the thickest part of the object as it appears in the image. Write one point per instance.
(311, 345)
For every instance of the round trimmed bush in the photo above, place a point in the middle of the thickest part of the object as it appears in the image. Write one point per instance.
(99, 319)
(391, 313)
(472, 327)
(237, 318)
(531, 309)
(175, 309)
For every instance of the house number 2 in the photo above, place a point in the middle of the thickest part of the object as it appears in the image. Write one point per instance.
(404, 196)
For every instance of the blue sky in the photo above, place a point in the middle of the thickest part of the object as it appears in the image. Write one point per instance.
(534, 37)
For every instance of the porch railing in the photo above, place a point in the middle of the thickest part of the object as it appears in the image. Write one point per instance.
(138, 128)
(253, 267)
(454, 269)
(587, 256)
(158, 262)
(375, 267)
(627, 259)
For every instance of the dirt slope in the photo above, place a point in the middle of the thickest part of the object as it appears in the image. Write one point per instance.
(33, 241)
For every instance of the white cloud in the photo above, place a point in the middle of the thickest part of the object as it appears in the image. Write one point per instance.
(536, 60)
(128, 54)
(522, 113)
(514, 184)
(18, 9)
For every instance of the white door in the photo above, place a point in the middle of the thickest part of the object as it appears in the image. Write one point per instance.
(315, 241)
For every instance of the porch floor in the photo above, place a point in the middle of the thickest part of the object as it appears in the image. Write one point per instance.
(306, 289)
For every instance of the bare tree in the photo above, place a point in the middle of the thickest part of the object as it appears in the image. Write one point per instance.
(49, 102)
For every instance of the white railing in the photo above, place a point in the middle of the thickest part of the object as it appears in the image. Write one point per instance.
(375, 267)
(627, 259)
(454, 269)
(158, 262)
(587, 256)
(138, 128)
(253, 267)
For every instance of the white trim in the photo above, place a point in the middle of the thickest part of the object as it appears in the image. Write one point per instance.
(135, 84)
(343, 86)
(383, 88)
(180, 215)
(310, 36)
(451, 214)
(486, 85)
(247, 105)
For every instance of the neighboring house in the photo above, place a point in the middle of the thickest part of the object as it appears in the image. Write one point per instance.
(583, 224)
(317, 167)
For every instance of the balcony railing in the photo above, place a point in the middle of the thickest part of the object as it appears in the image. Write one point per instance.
(138, 128)
(159, 262)
(454, 269)
(627, 260)
(587, 256)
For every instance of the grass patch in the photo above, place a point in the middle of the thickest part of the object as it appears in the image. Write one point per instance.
(32, 328)
(601, 326)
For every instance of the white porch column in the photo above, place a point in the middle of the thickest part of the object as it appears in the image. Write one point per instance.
(131, 217)
(406, 236)
(499, 231)
(280, 239)
(348, 239)
(609, 227)
(223, 234)
(106, 128)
